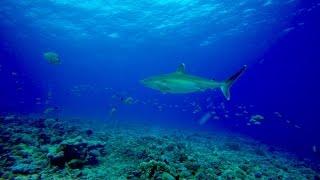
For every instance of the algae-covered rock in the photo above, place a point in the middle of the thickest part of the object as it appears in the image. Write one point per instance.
(89, 132)
(44, 138)
(232, 146)
(260, 152)
(76, 163)
(203, 175)
(57, 158)
(38, 123)
(239, 173)
(76, 152)
(167, 176)
(152, 168)
(24, 168)
(142, 155)
(258, 175)
(229, 174)
(192, 166)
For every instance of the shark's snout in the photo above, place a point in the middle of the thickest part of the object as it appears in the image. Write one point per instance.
(143, 81)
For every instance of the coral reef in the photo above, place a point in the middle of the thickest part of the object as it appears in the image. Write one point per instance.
(76, 153)
(39, 148)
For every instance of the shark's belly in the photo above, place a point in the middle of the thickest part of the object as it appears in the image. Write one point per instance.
(182, 86)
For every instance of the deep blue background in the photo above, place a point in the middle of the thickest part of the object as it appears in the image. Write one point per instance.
(284, 78)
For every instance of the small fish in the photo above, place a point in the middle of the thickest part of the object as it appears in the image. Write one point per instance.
(289, 29)
(268, 3)
(10, 117)
(52, 58)
(222, 105)
(198, 109)
(51, 110)
(279, 115)
(297, 126)
(257, 117)
(205, 118)
(127, 100)
(112, 111)
(314, 149)
(216, 117)
(113, 35)
(257, 122)
(209, 105)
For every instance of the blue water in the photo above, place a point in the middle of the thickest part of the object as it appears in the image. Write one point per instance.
(107, 47)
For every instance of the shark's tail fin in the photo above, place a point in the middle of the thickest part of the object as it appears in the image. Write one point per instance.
(225, 88)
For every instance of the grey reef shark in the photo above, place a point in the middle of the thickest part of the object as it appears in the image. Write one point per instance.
(180, 82)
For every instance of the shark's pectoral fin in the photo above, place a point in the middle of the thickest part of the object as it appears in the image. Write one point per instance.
(163, 88)
(181, 68)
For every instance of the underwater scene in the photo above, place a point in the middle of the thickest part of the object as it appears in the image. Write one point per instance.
(159, 89)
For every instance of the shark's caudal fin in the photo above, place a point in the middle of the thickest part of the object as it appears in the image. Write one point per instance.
(225, 88)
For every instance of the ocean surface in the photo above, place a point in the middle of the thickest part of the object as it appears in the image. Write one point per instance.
(73, 103)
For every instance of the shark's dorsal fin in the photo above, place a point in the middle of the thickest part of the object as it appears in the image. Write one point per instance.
(181, 68)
